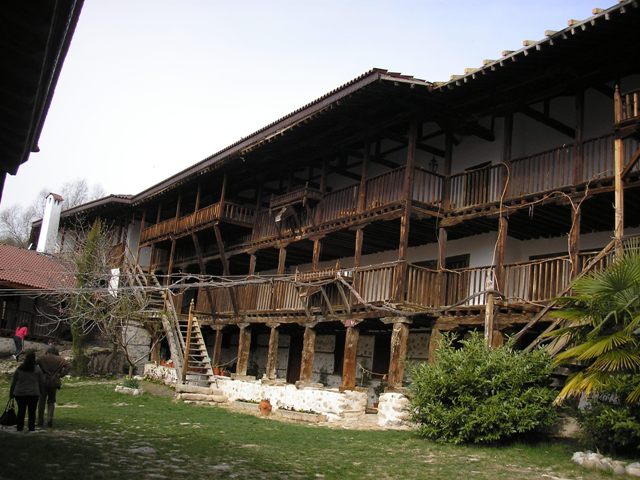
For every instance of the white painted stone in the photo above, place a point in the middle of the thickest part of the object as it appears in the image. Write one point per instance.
(393, 410)
(329, 402)
(128, 391)
(633, 469)
(168, 375)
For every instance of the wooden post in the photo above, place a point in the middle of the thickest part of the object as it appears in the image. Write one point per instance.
(405, 220)
(252, 263)
(506, 148)
(448, 155)
(223, 191)
(574, 242)
(187, 346)
(317, 248)
(442, 262)
(618, 157)
(357, 254)
(577, 151)
(170, 267)
(159, 213)
(399, 340)
(225, 266)
(362, 189)
(503, 227)
(434, 342)
(308, 350)
(282, 259)
(272, 356)
(217, 346)
(178, 205)
(197, 205)
(244, 346)
(489, 324)
(350, 359)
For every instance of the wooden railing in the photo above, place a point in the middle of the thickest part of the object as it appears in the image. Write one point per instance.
(628, 108)
(422, 287)
(427, 187)
(536, 280)
(384, 188)
(376, 283)
(338, 204)
(541, 172)
(299, 195)
(464, 286)
(230, 211)
(476, 187)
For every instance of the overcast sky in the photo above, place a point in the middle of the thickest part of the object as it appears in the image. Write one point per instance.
(151, 87)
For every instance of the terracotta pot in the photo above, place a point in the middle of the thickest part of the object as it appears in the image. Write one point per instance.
(216, 370)
(265, 407)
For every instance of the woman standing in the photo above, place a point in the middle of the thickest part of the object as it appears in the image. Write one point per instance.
(18, 339)
(26, 387)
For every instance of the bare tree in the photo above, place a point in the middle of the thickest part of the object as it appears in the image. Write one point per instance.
(103, 303)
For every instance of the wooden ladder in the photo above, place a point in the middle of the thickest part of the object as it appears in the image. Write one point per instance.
(197, 366)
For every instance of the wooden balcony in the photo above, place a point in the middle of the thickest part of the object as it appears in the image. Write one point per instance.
(527, 284)
(299, 196)
(227, 212)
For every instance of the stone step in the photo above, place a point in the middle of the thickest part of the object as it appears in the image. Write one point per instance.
(200, 397)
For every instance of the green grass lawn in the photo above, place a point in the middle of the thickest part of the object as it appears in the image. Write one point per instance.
(102, 434)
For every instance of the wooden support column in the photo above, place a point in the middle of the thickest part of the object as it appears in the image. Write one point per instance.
(442, 262)
(618, 158)
(217, 346)
(223, 191)
(282, 259)
(405, 220)
(170, 267)
(574, 242)
(317, 249)
(362, 189)
(252, 263)
(448, 155)
(501, 244)
(203, 271)
(399, 340)
(197, 205)
(272, 356)
(244, 346)
(489, 318)
(506, 149)
(178, 205)
(350, 359)
(577, 151)
(308, 350)
(434, 343)
(357, 254)
(159, 213)
(225, 266)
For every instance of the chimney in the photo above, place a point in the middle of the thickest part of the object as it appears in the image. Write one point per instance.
(50, 221)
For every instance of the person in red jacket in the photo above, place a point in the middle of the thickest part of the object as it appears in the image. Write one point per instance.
(18, 339)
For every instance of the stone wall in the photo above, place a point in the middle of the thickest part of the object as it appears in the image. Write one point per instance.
(168, 375)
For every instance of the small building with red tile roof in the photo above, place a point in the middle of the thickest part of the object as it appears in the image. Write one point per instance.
(25, 275)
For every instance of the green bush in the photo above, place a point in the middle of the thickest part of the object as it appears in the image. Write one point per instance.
(480, 395)
(610, 425)
(130, 382)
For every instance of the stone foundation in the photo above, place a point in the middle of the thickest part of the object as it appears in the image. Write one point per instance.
(393, 410)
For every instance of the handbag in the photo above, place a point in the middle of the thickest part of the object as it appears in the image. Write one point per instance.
(9, 416)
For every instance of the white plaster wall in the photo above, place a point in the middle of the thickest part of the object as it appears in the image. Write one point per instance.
(329, 402)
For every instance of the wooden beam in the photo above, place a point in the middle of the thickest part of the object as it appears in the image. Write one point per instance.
(577, 149)
(225, 266)
(272, 355)
(574, 242)
(349, 360)
(244, 346)
(170, 267)
(548, 121)
(282, 258)
(632, 163)
(362, 189)
(252, 263)
(197, 205)
(203, 271)
(507, 142)
(217, 346)
(405, 220)
(434, 343)
(399, 341)
(317, 248)
(501, 245)
(308, 351)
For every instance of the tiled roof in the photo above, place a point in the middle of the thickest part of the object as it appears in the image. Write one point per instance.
(31, 269)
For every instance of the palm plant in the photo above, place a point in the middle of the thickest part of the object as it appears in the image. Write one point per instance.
(602, 329)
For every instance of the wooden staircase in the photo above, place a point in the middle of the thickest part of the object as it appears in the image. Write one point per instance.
(197, 367)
